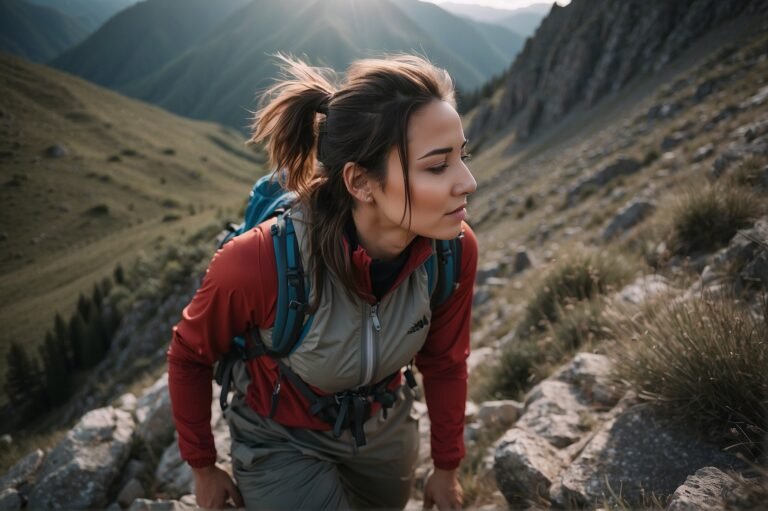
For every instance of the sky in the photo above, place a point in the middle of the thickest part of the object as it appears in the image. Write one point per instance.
(502, 4)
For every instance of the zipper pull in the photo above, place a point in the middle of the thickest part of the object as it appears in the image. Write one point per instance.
(375, 317)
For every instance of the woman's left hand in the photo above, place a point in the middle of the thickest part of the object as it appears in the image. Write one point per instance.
(443, 489)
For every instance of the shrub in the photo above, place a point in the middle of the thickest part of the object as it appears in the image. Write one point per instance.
(704, 360)
(515, 372)
(578, 324)
(707, 219)
(576, 278)
(749, 172)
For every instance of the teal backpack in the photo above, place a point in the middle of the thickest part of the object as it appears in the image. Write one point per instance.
(269, 199)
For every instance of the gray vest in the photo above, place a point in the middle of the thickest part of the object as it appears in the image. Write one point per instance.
(352, 343)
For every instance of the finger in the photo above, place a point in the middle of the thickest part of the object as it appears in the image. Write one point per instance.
(234, 493)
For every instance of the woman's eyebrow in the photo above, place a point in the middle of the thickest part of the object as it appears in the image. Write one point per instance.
(442, 150)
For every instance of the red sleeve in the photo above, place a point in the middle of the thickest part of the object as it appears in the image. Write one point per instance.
(232, 298)
(443, 363)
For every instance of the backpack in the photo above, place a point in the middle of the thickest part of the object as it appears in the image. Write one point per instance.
(269, 199)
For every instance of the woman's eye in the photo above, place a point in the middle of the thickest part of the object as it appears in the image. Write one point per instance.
(439, 168)
(466, 157)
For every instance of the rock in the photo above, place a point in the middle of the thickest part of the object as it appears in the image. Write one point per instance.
(56, 151)
(621, 167)
(487, 271)
(673, 140)
(153, 414)
(130, 492)
(554, 412)
(173, 476)
(470, 412)
(638, 453)
(127, 402)
(522, 261)
(482, 296)
(525, 466)
(10, 500)
(80, 470)
(629, 216)
(162, 505)
(23, 472)
(702, 491)
(499, 413)
(591, 374)
(756, 100)
(703, 152)
(643, 289)
(479, 357)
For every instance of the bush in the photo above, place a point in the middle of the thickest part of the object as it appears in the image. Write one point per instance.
(704, 360)
(707, 219)
(515, 372)
(579, 324)
(576, 278)
(749, 172)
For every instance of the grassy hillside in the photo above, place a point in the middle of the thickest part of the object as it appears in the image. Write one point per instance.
(91, 178)
(36, 32)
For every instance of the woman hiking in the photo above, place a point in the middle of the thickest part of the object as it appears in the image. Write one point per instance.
(378, 166)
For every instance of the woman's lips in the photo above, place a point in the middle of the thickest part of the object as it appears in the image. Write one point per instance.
(459, 213)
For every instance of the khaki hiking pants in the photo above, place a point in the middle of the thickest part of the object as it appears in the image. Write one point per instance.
(300, 469)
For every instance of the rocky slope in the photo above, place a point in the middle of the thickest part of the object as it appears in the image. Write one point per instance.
(593, 48)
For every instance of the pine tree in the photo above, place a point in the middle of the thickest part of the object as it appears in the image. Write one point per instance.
(119, 275)
(96, 296)
(106, 286)
(84, 307)
(61, 334)
(22, 382)
(55, 375)
(77, 328)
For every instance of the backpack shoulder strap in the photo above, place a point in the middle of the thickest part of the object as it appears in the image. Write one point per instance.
(291, 288)
(444, 269)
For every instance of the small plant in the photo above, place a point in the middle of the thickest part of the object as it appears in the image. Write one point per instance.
(707, 219)
(704, 360)
(580, 277)
(750, 173)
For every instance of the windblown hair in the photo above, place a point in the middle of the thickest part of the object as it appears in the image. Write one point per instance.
(313, 127)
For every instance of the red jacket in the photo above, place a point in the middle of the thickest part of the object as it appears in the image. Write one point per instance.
(239, 292)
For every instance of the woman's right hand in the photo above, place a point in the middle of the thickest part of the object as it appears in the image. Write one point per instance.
(214, 488)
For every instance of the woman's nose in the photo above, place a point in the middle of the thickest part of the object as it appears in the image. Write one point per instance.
(465, 183)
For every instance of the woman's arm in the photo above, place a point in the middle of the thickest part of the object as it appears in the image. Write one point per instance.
(234, 296)
(443, 363)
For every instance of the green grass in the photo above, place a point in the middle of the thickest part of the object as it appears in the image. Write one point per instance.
(703, 360)
(66, 222)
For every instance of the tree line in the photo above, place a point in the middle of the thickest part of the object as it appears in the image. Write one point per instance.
(35, 383)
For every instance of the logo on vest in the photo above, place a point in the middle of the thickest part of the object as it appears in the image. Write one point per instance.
(418, 325)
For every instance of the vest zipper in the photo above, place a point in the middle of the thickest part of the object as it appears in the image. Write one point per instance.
(373, 326)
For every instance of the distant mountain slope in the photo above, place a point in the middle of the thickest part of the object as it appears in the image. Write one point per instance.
(591, 48)
(143, 38)
(155, 52)
(522, 21)
(489, 48)
(91, 178)
(91, 13)
(37, 33)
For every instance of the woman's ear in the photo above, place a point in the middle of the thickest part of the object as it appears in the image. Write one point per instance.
(357, 182)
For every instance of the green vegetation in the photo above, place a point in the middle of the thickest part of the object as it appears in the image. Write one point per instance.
(706, 219)
(564, 314)
(703, 360)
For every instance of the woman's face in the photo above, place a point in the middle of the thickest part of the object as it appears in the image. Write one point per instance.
(439, 179)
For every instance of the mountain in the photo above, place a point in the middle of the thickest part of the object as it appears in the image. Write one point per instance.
(91, 13)
(37, 33)
(526, 20)
(143, 38)
(490, 48)
(523, 21)
(90, 179)
(590, 49)
(215, 71)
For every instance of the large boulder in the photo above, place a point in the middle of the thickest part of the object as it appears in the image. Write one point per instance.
(591, 374)
(629, 216)
(154, 415)
(80, 471)
(526, 465)
(621, 167)
(638, 453)
(555, 411)
(702, 491)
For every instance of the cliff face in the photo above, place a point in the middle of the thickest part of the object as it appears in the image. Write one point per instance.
(591, 48)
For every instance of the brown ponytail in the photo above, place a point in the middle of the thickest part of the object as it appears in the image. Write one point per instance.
(313, 129)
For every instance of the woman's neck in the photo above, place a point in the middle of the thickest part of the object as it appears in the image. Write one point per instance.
(383, 242)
